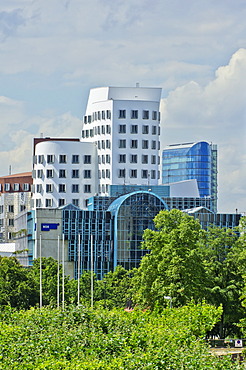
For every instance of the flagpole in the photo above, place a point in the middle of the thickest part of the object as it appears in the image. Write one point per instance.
(63, 273)
(58, 272)
(79, 272)
(40, 272)
(92, 272)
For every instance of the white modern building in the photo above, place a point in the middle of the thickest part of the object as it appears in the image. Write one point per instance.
(119, 146)
(65, 171)
(124, 123)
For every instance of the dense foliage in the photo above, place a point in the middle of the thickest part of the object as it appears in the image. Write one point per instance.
(82, 338)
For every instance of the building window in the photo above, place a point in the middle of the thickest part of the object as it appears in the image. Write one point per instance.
(107, 158)
(6, 187)
(153, 144)
(103, 174)
(122, 144)
(103, 159)
(134, 129)
(62, 188)
(122, 173)
(108, 114)
(154, 115)
(75, 188)
(75, 158)
(134, 144)
(99, 144)
(61, 202)
(108, 144)
(153, 174)
(134, 114)
(16, 187)
(87, 188)
(122, 113)
(99, 159)
(154, 130)
(122, 158)
(11, 208)
(39, 188)
(133, 158)
(122, 129)
(40, 159)
(108, 174)
(50, 158)
(133, 174)
(108, 129)
(99, 115)
(26, 187)
(49, 174)
(22, 207)
(75, 174)
(98, 130)
(145, 129)
(103, 144)
(145, 144)
(75, 202)
(62, 158)
(87, 159)
(87, 174)
(103, 130)
(99, 174)
(49, 188)
(144, 159)
(153, 159)
(10, 235)
(144, 174)
(62, 174)
(48, 202)
(38, 202)
(11, 222)
(145, 114)
(103, 114)
(39, 174)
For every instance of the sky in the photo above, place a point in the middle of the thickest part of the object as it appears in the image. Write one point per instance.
(53, 51)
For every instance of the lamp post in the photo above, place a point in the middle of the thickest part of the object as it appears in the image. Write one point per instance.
(168, 298)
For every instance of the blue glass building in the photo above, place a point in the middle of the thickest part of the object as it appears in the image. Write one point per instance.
(192, 161)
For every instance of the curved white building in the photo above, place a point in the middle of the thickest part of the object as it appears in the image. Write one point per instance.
(65, 171)
(124, 122)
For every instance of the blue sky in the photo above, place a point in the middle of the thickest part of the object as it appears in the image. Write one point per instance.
(53, 51)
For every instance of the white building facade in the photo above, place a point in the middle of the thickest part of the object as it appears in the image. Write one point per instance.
(65, 171)
(124, 123)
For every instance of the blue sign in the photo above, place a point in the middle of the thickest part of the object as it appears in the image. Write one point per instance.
(48, 227)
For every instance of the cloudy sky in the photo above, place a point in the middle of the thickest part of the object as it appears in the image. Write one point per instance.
(53, 51)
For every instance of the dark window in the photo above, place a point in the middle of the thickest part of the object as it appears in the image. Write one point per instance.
(134, 144)
(87, 174)
(154, 115)
(49, 174)
(133, 173)
(11, 208)
(87, 188)
(75, 174)
(122, 158)
(75, 188)
(134, 129)
(145, 129)
(122, 173)
(122, 144)
(145, 144)
(122, 113)
(62, 188)
(62, 174)
(122, 129)
(49, 188)
(87, 159)
(50, 158)
(75, 202)
(61, 202)
(75, 158)
(154, 131)
(144, 174)
(144, 159)
(145, 114)
(134, 114)
(133, 158)
(153, 159)
(62, 158)
(153, 145)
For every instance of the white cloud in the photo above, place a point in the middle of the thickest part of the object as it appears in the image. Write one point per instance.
(215, 113)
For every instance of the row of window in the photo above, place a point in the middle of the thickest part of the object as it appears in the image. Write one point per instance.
(75, 173)
(146, 144)
(15, 187)
(98, 116)
(133, 173)
(62, 188)
(134, 129)
(61, 202)
(104, 174)
(11, 208)
(62, 158)
(145, 159)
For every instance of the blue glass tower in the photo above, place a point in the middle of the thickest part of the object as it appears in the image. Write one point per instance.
(192, 161)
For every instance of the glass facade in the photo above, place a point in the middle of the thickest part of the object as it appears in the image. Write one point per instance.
(133, 213)
(192, 161)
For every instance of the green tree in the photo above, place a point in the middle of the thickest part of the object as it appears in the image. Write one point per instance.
(174, 267)
(225, 265)
(17, 288)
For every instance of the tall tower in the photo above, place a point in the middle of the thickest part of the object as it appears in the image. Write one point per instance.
(124, 123)
(192, 161)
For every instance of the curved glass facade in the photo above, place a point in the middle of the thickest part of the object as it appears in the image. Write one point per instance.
(191, 161)
(133, 213)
